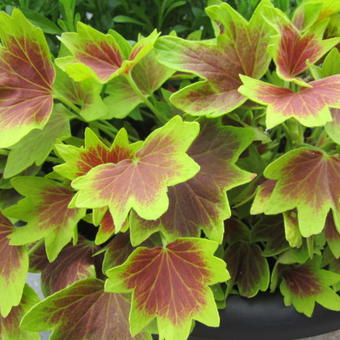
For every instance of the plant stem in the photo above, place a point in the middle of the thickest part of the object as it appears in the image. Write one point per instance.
(4, 152)
(144, 98)
(69, 104)
(295, 132)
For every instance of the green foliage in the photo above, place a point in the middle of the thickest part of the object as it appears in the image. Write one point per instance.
(149, 177)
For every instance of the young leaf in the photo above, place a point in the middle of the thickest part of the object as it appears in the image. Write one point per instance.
(75, 262)
(14, 267)
(305, 284)
(271, 231)
(9, 326)
(122, 99)
(141, 182)
(241, 48)
(82, 311)
(170, 284)
(293, 49)
(35, 147)
(45, 209)
(100, 56)
(310, 106)
(201, 203)
(85, 94)
(79, 161)
(332, 236)
(26, 78)
(292, 232)
(248, 268)
(309, 180)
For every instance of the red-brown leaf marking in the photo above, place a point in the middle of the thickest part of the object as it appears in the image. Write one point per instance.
(53, 209)
(10, 256)
(295, 50)
(301, 280)
(85, 311)
(330, 230)
(103, 58)
(169, 282)
(99, 155)
(313, 177)
(143, 175)
(73, 263)
(107, 225)
(26, 78)
(309, 101)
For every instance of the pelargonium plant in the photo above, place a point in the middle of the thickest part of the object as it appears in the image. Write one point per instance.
(147, 181)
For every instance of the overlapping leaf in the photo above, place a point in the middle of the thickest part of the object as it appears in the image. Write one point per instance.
(101, 56)
(106, 227)
(241, 48)
(85, 94)
(248, 268)
(79, 161)
(148, 74)
(82, 311)
(9, 326)
(141, 182)
(332, 236)
(74, 263)
(45, 209)
(35, 147)
(26, 78)
(310, 105)
(170, 284)
(308, 180)
(305, 284)
(201, 203)
(14, 267)
(293, 48)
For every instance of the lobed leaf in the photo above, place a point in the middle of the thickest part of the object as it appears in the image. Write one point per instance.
(141, 182)
(240, 48)
(310, 105)
(26, 78)
(82, 311)
(45, 209)
(308, 180)
(201, 202)
(170, 284)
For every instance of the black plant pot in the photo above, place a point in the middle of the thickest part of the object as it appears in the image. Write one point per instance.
(264, 317)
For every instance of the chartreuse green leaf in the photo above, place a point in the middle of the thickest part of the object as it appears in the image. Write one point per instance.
(101, 56)
(304, 284)
(170, 284)
(79, 161)
(308, 180)
(330, 67)
(292, 49)
(14, 267)
(26, 78)
(148, 74)
(85, 94)
(45, 209)
(9, 326)
(74, 263)
(201, 203)
(240, 48)
(313, 11)
(141, 182)
(82, 311)
(310, 105)
(35, 147)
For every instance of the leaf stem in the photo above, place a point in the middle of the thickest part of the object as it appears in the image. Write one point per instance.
(4, 152)
(144, 98)
(70, 105)
(295, 132)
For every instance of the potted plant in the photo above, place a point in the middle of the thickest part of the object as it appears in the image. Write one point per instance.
(152, 182)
